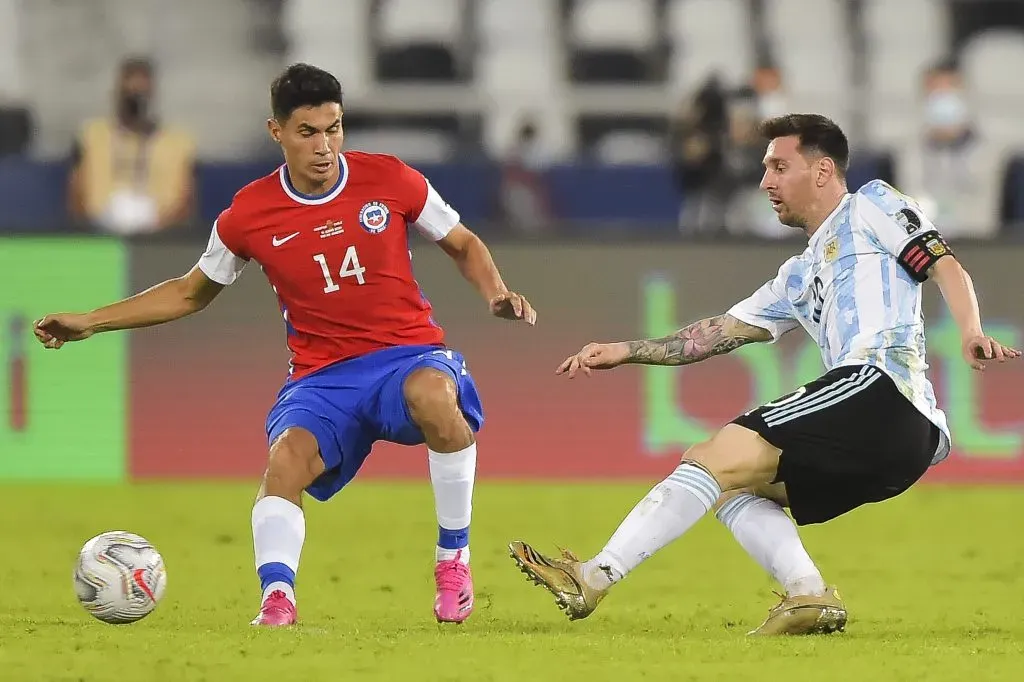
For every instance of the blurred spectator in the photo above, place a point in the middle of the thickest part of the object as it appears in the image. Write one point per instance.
(698, 133)
(524, 203)
(131, 173)
(749, 211)
(766, 83)
(719, 156)
(943, 168)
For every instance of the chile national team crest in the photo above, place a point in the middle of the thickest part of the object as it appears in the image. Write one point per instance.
(374, 217)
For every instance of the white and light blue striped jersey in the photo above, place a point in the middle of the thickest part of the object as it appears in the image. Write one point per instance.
(853, 297)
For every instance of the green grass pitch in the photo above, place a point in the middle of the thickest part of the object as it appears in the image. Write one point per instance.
(934, 582)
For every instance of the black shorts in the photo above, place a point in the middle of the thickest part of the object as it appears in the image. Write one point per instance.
(847, 438)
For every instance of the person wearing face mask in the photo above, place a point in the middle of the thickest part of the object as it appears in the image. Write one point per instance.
(130, 173)
(945, 165)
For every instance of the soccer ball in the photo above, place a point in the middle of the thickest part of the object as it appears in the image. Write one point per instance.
(119, 577)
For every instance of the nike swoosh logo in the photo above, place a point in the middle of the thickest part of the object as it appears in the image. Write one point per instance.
(139, 577)
(278, 242)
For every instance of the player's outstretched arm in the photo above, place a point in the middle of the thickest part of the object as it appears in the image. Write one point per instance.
(167, 301)
(957, 289)
(476, 264)
(699, 341)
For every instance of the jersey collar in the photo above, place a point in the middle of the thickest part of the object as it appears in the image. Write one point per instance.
(315, 199)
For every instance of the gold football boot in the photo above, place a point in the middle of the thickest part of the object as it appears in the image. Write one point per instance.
(805, 615)
(561, 577)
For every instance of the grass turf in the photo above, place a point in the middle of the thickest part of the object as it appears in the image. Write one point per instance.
(934, 581)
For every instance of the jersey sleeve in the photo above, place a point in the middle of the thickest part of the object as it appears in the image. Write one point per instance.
(219, 262)
(423, 207)
(900, 228)
(768, 308)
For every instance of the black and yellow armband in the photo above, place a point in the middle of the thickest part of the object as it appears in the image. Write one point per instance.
(923, 252)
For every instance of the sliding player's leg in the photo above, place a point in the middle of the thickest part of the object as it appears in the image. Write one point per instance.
(432, 399)
(734, 458)
(759, 523)
(834, 460)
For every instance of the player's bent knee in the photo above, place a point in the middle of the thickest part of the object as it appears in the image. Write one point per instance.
(295, 461)
(730, 495)
(431, 396)
(776, 492)
(737, 458)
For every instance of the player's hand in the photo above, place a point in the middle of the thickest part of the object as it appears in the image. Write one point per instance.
(594, 356)
(512, 306)
(53, 331)
(979, 350)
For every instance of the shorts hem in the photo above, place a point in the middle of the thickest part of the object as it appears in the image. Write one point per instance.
(475, 424)
(306, 420)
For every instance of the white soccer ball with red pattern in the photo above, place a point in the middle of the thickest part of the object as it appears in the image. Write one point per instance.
(119, 577)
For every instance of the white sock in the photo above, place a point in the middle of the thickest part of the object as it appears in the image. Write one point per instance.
(278, 530)
(669, 510)
(764, 529)
(278, 586)
(452, 475)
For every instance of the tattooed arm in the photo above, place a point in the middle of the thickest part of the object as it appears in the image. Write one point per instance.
(699, 341)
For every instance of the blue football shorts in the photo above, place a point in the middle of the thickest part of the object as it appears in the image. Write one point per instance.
(350, 405)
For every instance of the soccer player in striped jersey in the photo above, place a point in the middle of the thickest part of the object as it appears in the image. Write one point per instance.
(865, 431)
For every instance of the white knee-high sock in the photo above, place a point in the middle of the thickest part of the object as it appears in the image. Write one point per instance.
(669, 510)
(278, 531)
(452, 475)
(770, 537)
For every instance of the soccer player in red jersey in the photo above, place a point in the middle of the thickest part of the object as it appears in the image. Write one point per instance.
(368, 362)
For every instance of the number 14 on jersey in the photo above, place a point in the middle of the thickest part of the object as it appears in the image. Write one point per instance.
(350, 267)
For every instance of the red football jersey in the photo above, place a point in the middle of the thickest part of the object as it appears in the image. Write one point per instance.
(340, 262)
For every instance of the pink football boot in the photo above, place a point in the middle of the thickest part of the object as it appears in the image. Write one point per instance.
(277, 610)
(454, 600)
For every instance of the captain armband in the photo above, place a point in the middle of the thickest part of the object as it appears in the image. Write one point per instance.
(922, 253)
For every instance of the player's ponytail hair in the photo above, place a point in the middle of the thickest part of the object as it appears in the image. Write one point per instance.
(302, 85)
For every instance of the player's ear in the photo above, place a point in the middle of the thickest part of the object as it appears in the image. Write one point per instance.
(274, 128)
(826, 170)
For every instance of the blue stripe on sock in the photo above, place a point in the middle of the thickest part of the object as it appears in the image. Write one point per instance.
(275, 572)
(452, 539)
(732, 509)
(697, 481)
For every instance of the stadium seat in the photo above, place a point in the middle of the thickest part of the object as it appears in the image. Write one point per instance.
(411, 145)
(816, 63)
(12, 78)
(709, 36)
(613, 40)
(991, 64)
(332, 36)
(630, 148)
(15, 130)
(997, 91)
(521, 72)
(623, 139)
(902, 39)
(420, 41)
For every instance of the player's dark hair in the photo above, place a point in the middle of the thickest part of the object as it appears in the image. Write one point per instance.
(817, 134)
(302, 85)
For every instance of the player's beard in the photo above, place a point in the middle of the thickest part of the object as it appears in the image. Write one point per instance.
(792, 220)
(789, 218)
